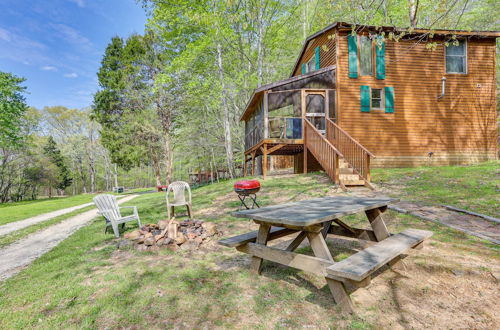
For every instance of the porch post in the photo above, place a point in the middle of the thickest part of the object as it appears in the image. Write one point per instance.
(253, 163)
(266, 115)
(264, 162)
(244, 165)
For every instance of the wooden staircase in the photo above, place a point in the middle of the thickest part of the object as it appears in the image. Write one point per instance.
(344, 159)
(347, 175)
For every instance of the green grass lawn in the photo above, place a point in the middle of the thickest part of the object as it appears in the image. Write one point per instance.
(474, 187)
(85, 282)
(10, 212)
(16, 235)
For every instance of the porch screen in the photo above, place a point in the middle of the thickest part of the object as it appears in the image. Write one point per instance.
(285, 113)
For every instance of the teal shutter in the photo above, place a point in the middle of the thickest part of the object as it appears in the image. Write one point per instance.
(380, 59)
(365, 98)
(303, 68)
(353, 56)
(316, 59)
(389, 99)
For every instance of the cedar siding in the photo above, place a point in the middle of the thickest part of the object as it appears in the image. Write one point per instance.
(459, 128)
(327, 53)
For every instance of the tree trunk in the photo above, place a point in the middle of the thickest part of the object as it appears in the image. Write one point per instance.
(156, 168)
(413, 10)
(115, 174)
(227, 130)
(304, 20)
(259, 43)
(168, 158)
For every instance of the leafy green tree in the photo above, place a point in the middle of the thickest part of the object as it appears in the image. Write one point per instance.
(12, 109)
(51, 150)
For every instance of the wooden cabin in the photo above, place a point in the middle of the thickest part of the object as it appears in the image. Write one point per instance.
(363, 96)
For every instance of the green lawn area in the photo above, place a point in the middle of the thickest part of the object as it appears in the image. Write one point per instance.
(474, 187)
(16, 235)
(86, 282)
(10, 212)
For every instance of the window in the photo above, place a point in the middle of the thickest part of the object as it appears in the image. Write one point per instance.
(365, 56)
(311, 65)
(377, 99)
(456, 58)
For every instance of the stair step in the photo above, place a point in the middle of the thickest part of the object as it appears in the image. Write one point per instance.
(353, 182)
(349, 177)
(346, 170)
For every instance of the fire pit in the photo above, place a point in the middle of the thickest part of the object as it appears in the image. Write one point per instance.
(247, 188)
(189, 234)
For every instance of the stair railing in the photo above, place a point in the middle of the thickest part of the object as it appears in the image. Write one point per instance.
(354, 153)
(324, 151)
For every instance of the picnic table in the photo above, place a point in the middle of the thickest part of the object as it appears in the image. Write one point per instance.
(314, 219)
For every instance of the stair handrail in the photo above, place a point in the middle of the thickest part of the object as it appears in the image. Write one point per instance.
(355, 154)
(337, 151)
(350, 137)
(324, 151)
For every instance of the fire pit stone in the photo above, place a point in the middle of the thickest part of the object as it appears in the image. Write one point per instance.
(172, 234)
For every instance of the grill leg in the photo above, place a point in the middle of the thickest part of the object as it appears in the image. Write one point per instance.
(242, 200)
(254, 199)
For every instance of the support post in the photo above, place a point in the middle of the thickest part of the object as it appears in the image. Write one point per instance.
(266, 115)
(305, 158)
(244, 165)
(367, 168)
(262, 237)
(337, 169)
(264, 162)
(378, 224)
(253, 163)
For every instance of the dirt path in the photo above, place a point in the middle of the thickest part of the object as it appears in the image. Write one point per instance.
(21, 253)
(467, 223)
(17, 225)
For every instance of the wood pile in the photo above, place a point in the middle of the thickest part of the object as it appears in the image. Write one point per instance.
(187, 234)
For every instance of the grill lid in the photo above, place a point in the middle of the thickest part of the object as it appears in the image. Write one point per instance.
(247, 185)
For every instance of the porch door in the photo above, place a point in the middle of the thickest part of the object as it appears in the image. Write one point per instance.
(315, 103)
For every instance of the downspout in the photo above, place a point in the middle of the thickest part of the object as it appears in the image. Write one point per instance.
(443, 87)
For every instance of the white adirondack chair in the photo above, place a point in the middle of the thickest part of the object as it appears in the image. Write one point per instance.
(109, 209)
(179, 199)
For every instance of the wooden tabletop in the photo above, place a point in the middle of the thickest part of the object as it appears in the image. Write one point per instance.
(314, 211)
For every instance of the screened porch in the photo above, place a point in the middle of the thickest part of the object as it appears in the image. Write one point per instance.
(276, 111)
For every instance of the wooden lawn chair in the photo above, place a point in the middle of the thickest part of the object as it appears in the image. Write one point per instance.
(109, 209)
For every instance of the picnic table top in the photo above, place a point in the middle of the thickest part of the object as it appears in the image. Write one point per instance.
(314, 211)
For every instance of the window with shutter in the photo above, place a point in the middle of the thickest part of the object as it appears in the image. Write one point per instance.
(389, 99)
(316, 58)
(353, 56)
(365, 56)
(365, 98)
(380, 57)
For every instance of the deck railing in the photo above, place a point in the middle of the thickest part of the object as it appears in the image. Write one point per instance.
(324, 151)
(354, 153)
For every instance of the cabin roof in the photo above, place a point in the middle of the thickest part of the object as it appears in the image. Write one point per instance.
(259, 91)
(344, 25)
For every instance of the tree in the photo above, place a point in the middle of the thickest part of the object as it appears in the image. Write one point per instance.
(12, 109)
(63, 178)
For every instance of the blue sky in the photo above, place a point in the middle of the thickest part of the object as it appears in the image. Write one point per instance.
(57, 45)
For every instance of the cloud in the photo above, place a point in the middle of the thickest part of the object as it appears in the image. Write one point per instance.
(72, 36)
(4, 35)
(79, 3)
(48, 68)
(71, 75)
(19, 48)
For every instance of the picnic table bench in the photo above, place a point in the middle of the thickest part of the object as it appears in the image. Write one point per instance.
(314, 219)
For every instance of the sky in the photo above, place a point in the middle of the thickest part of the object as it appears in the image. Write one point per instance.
(57, 45)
